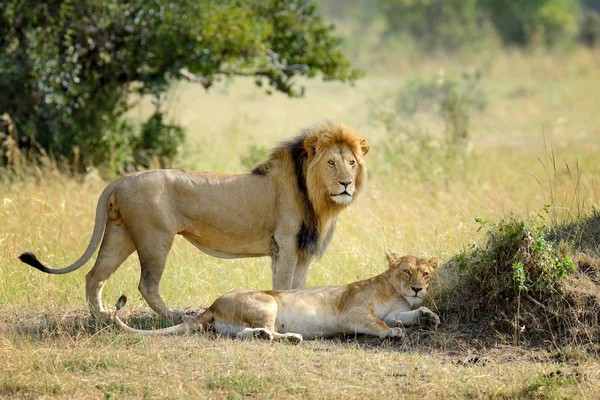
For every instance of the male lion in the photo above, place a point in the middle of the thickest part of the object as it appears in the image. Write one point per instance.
(378, 306)
(285, 208)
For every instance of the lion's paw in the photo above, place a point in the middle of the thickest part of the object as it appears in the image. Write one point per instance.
(393, 332)
(428, 317)
(255, 333)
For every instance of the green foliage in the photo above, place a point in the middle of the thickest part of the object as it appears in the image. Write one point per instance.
(534, 21)
(67, 67)
(450, 24)
(435, 24)
(517, 256)
(589, 29)
(428, 125)
(452, 99)
(158, 141)
(255, 155)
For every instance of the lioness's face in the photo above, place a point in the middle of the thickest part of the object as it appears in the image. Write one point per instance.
(411, 275)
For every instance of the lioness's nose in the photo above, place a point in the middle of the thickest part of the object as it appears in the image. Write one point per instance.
(417, 289)
(345, 183)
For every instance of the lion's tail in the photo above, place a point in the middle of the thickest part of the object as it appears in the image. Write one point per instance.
(188, 326)
(100, 222)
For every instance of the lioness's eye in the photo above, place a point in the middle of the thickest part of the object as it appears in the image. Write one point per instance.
(425, 274)
(407, 272)
(330, 162)
(352, 162)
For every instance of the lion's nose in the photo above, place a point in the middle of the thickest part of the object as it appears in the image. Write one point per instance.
(345, 184)
(417, 289)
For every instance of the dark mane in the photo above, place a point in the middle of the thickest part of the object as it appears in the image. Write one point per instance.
(308, 238)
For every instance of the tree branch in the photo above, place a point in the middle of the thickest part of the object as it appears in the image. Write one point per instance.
(278, 75)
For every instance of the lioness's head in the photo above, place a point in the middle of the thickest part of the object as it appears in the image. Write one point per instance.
(336, 171)
(411, 275)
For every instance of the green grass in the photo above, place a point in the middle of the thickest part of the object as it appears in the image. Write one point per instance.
(50, 348)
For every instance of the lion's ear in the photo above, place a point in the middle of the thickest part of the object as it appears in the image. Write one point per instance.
(433, 263)
(391, 259)
(310, 145)
(364, 146)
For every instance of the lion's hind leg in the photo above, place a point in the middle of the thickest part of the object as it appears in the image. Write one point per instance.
(268, 334)
(116, 246)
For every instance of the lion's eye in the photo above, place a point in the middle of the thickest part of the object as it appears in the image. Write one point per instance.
(407, 272)
(425, 274)
(352, 162)
(331, 162)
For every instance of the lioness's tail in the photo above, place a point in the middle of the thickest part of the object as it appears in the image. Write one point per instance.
(100, 222)
(188, 326)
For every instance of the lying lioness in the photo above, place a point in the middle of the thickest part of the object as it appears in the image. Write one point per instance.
(379, 306)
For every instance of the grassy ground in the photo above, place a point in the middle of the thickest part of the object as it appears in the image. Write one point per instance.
(50, 348)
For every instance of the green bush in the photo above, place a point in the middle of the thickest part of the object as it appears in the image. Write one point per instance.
(435, 24)
(452, 99)
(427, 127)
(451, 24)
(589, 29)
(67, 67)
(532, 22)
(517, 256)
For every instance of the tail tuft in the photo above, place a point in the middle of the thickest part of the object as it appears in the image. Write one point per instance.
(30, 259)
(121, 302)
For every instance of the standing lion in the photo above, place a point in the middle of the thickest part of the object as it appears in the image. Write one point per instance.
(285, 208)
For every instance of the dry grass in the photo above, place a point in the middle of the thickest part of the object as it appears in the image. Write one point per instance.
(50, 348)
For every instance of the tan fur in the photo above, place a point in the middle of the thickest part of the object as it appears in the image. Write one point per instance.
(379, 306)
(285, 208)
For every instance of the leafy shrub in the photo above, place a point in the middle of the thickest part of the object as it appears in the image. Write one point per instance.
(427, 126)
(67, 67)
(517, 256)
(525, 281)
(532, 22)
(452, 99)
(451, 24)
(255, 155)
(435, 24)
(589, 29)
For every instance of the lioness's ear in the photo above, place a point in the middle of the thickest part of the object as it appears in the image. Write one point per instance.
(310, 145)
(364, 146)
(391, 259)
(433, 263)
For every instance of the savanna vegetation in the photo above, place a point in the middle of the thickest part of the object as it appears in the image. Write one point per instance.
(484, 153)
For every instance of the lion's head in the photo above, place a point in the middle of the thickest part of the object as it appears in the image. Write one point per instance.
(411, 275)
(336, 171)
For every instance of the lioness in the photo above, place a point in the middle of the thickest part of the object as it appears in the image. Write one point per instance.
(285, 208)
(378, 306)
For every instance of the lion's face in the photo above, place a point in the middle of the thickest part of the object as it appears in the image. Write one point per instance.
(339, 173)
(336, 170)
(411, 275)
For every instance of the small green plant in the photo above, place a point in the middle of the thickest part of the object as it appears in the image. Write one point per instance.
(427, 126)
(256, 154)
(518, 256)
(450, 98)
(589, 29)
(159, 142)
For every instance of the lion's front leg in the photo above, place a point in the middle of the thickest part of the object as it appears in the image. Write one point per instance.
(300, 273)
(420, 316)
(284, 262)
(368, 324)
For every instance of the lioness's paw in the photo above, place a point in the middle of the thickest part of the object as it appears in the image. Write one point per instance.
(428, 317)
(393, 332)
(294, 338)
(255, 333)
